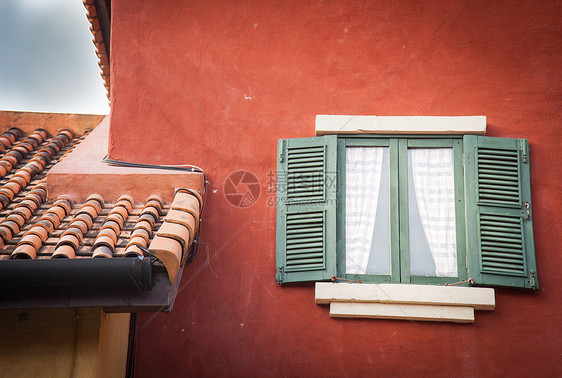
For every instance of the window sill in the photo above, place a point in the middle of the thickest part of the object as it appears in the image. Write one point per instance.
(408, 302)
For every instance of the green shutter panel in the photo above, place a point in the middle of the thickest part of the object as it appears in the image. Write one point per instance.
(306, 209)
(500, 245)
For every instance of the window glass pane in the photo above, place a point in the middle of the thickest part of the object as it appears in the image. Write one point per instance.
(367, 211)
(431, 206)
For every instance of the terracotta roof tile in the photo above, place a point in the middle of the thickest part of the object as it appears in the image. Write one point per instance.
(133, 250)
(24, 251)
(187, 203)
(6, 234)
(12, 226)
(32, 239)
(71, 239)
(178, 232)
(96, 197)
(64, 251)
(86, 218)
(175, 237)
(39, 231)
(169, 251)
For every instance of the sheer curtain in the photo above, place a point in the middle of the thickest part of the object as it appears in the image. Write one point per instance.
(363, 177)
(432, 170)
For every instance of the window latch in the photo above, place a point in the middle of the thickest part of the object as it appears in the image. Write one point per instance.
(334, 279)
(527, 211)
(470, 281)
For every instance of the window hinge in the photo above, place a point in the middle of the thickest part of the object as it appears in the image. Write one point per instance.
(523, 150)
(533, 280)
(282, 152)
(280, 276)
(527, 211)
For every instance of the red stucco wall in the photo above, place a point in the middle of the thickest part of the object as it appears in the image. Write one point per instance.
(215, 84)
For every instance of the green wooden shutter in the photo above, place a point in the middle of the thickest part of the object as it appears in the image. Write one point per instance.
(306, 209)
(500, 245)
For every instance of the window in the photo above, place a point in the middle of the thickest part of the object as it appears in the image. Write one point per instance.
(407, 234)
(428, 210)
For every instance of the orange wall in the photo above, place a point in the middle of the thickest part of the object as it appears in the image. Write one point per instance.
(215, 84)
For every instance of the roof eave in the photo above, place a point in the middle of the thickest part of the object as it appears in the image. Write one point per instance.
(128, 298)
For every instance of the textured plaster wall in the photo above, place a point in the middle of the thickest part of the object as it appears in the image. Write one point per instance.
(217, 83)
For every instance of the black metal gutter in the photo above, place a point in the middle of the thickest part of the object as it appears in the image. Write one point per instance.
(91, 272)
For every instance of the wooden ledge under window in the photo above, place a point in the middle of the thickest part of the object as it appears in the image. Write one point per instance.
(356, 124)
(408, 302)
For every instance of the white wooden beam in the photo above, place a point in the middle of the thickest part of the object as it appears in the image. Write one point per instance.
(349, 124)
(477, 297)
(402, 311)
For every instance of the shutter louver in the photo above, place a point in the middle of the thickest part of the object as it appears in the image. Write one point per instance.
(305, 177)
(503, 249)
(498, 176)
(305, 241)
(500, 244)
(306, 209)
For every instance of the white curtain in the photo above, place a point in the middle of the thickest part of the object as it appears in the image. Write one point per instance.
(432, 170)
(363, 177)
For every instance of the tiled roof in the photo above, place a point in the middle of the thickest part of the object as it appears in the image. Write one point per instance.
(100, 44)
(33, 226)
(62, 229)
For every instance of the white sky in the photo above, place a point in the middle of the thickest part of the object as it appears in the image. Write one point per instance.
(47, 58)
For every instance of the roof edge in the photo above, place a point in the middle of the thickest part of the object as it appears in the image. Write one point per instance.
(50, 122)
(100, 26)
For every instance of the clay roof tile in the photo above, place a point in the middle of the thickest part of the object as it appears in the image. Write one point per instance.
(24, 251)
(6, 233)
(152, 211)
(39, 231)
(128, 198)
(64, 251)
(12, 225)
(80, 224)
(59, 211)
(18, 218)
(46, 224)
(64, 203)
(133, 250)
(169, 252)
(96, 197)
(176, 231)
(115, 226)
(69, 239)
(89, 209)
(23, 211)
(86, 218)
(33, 239)
(103, 250)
